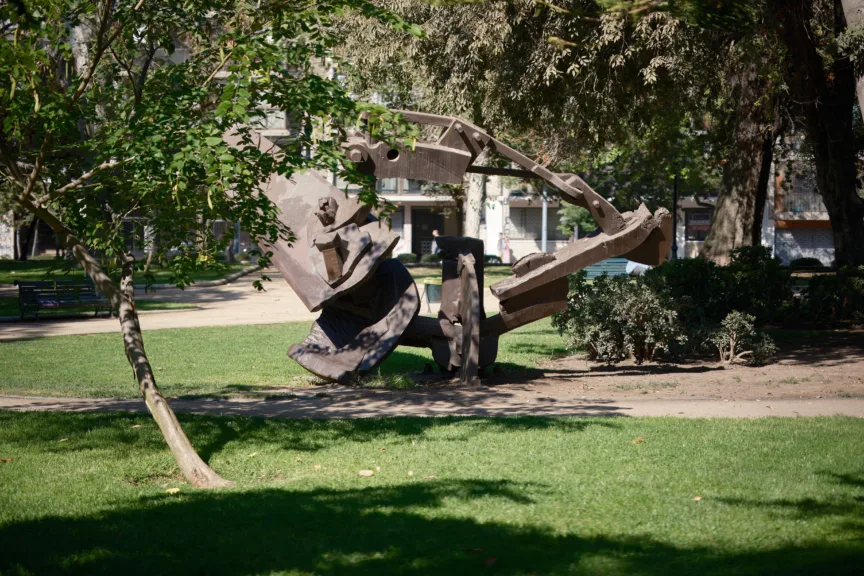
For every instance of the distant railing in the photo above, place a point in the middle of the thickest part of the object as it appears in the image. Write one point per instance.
(797, 202)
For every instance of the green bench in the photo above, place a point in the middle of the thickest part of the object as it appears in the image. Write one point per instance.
(36, 297)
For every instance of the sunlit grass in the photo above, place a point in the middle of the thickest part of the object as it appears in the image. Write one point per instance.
(230, 360)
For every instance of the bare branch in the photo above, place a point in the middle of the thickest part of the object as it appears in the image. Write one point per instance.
(101, 45)
(37, 168)
(217, 69)
(10, 162)
(78, 182)
(145, 68)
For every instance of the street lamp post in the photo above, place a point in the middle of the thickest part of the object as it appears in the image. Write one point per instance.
(675, 218)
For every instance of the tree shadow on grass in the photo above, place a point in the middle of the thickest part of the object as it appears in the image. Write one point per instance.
(311, 436)
(372, 530)
(62, 432)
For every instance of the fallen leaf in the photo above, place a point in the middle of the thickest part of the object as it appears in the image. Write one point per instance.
(697, 499)
(5, 460)
(316, 467)
(253, 454)
(172, 490)
(638, 440)
(429, 477)
(378, 468)
(410, 472)
(298, 460)
(136, 426)
(367, 473)
(383, 449)
(63, 440)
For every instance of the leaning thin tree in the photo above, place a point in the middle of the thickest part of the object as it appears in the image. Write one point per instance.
(115, 111)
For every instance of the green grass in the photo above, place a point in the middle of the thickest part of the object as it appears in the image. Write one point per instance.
(87, 494)
(228, 360)
(491, 275)
(35, 270)
(9, 307)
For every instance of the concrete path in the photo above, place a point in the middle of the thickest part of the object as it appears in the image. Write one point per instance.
(228, 305)
(337, 402)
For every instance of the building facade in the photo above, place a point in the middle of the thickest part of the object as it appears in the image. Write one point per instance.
(795, 221)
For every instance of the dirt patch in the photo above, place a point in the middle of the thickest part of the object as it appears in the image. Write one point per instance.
(824, 364)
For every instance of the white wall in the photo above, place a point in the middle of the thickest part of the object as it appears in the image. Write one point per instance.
(7, 241)
(494, 225)
(793, 243)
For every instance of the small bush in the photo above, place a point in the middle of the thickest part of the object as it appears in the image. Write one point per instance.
(407, 258)
(806, 263)
(616, 317)
(492, 259)
(699, 291)
(760, 283)
(430, 258)
(836, 297)
(737, 339)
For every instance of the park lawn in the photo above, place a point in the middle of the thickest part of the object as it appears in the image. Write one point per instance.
(9, 307)
(229, 360)
(92, 494)
(37, 270)
(491, 275)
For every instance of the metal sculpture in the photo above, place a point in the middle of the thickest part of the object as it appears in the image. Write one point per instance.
(339, 263)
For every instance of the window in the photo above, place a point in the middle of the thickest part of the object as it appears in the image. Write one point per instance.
(697, 224)
(387, 185)
(397, 222)
(412, 186)
(527, 224)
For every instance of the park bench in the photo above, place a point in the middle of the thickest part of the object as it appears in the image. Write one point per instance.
(610, 266)
(34, 297)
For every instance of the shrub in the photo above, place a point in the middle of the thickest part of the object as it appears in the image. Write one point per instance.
(407, 258)
(760, 282)
(430, 258)
(492, 259)
(738, 338)
(699, 290)
(616, 317)
(806, 263)
(836, 297)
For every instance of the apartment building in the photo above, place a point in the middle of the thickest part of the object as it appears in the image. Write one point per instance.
(795, 221)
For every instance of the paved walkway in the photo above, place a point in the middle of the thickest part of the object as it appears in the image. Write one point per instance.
(228, 305)
(339, 402)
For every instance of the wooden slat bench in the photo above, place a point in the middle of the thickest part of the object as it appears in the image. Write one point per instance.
(35, 297)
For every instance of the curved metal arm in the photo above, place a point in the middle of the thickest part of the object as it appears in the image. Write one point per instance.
(448, 158)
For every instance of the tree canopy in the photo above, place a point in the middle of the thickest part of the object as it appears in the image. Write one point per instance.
(118, 109)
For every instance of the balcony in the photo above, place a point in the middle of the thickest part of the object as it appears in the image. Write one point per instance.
(800, 203)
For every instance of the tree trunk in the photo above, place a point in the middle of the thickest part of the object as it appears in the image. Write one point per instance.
(762, 188)
(15, 250)
(825, 100)
(738, 214)
(473, 203)
(194, 469)
(853, 11)
(191, 465)
(34, 246)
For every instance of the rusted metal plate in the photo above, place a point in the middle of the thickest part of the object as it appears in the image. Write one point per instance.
(357, 332)
(301, 263)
